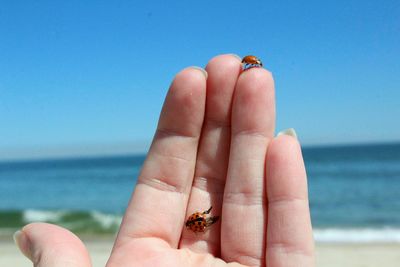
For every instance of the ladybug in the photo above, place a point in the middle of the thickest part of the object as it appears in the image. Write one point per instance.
(251, 62)
(199, 221)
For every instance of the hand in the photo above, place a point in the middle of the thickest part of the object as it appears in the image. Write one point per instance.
(214, 146)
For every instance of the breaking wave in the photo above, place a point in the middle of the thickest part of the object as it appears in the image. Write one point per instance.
(88, 222)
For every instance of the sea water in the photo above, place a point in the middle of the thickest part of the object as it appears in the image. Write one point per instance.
(354, 192)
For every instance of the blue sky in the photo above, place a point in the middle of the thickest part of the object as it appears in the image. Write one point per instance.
(90, 76)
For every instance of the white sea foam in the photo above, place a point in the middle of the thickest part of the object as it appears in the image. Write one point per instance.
(362, 235)
(41, 215)
(75, 219)
(106, 220)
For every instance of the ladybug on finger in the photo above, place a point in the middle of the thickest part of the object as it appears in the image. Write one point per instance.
(251, 62)
(199, 221)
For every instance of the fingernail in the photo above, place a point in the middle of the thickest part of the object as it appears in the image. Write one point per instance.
(22, 242)
(236, 56)
(200, 69)
(290, 132)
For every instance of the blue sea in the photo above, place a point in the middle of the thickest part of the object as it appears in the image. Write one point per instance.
(354, 192)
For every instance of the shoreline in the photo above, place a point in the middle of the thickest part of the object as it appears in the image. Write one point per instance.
(327, 254)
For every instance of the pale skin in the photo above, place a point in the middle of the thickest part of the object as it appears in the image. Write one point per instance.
(214, 146)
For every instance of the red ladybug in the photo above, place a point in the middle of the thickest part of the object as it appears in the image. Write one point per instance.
(199, 221)
(251, 62)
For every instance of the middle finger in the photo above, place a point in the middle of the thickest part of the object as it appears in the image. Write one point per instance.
(212, 158)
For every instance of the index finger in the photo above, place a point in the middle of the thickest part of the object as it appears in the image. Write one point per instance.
(158, 204)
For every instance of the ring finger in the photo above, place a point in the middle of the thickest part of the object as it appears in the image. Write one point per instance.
(244, 209)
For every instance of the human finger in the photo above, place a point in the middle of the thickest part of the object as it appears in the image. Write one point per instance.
(244, 204)
(289, 234)
(212, 160)
(158, 205)
(48, 245)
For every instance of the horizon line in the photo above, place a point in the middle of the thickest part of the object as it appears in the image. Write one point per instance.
(133, 149)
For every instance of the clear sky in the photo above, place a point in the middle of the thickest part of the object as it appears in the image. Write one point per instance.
(90, 76)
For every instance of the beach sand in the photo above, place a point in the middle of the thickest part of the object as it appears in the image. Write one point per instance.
(358, 255)
(328, 255)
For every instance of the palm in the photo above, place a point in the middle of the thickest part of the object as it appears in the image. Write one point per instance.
(154, 253)
(214, 147)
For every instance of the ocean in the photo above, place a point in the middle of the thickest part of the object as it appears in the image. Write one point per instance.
(354, 192)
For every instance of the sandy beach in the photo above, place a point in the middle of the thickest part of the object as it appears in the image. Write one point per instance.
(358, 255)
(328, 255)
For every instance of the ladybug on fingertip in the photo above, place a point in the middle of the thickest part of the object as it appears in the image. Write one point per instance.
(251, 62)
(199, 221)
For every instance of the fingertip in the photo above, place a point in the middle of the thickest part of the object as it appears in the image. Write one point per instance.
(290, 132)
(203, 71)
(188, 90)
(23, 243)
(51, 245)
(254, 103)
(286, 174)
(283, 147)
(184, 105)
(259, 75)
(192, 75)
(40, 230)
(225, 61)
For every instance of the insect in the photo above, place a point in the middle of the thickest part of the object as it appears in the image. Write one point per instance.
(251, 62)
(199, 221)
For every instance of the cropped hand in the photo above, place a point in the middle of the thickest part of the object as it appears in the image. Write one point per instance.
(214, 146)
